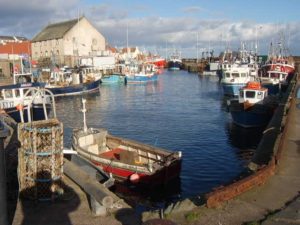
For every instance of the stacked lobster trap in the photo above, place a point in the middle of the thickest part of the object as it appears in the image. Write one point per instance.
(40, 155)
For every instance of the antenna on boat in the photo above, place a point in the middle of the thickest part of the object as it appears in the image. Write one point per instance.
(83, 110)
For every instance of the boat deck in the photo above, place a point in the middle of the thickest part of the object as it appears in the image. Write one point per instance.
(113, 154)
(123, 156)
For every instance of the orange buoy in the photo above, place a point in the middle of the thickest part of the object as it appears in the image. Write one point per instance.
(134, 178)
(19, 107)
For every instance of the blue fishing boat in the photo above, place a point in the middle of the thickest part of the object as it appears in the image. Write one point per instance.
(113, 79)
(68, 82)
(74, 89)
(254, 107)
(140, 73)
(26, 102)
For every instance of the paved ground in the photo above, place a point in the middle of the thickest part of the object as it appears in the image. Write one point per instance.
(72, 209)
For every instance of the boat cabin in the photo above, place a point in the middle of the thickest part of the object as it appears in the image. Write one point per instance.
(253, 93)
(236, 74)
(274, 76)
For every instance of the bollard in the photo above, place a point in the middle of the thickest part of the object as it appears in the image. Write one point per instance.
(3, 198)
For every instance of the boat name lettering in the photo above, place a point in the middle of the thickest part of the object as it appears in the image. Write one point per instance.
(26, 85)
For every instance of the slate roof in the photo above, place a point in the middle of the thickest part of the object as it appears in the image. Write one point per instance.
(13, 38)
(55, 31)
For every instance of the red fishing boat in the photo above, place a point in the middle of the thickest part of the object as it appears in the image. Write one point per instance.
(278, 60)
(125, 159)
(158, 61)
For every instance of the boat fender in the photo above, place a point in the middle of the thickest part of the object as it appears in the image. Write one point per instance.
(134, 178)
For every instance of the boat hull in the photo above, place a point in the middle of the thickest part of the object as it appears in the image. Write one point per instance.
(76, 89)
(141, 79)
(146, 179)
(174, 65)
(37, 113)
(274, 89)
(257, 116)
(126, 159)
(232, 89)
(112, 79)
(279, 67)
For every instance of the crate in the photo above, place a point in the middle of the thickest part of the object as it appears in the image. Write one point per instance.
(40, 156)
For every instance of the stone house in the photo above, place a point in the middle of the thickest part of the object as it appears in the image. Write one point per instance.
(66, 42)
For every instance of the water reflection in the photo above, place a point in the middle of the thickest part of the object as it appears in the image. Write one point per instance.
(245, 140)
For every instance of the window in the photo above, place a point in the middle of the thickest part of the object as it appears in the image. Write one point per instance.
(94, 41)
(260, 95)
(46, 53)
(250, 94)
(235, 75)
(274, 75)
(243, 75)
(227, 75)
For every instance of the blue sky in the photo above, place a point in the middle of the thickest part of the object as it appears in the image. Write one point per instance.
(154, 25)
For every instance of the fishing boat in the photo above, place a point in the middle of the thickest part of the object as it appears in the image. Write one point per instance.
(68, 82)
(278, 59)
(26, 101)
(254, 107)
(126, 160)
(113, 79)
(140, 73)
(175, 62)
(158, 61)
(235, 78)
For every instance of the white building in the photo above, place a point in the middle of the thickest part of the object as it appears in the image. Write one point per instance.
(67, 41)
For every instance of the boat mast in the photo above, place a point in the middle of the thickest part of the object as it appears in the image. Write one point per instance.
(83, 110)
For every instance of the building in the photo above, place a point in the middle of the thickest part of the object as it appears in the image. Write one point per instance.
(66, 42)
(130, 53)
(12, 49)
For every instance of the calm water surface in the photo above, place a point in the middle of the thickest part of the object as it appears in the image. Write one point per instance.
(181, 111)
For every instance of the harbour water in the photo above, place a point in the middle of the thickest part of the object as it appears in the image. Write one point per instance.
(181, 111)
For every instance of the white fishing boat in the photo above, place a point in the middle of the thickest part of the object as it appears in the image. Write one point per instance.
(26, 102)
(234, 78)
